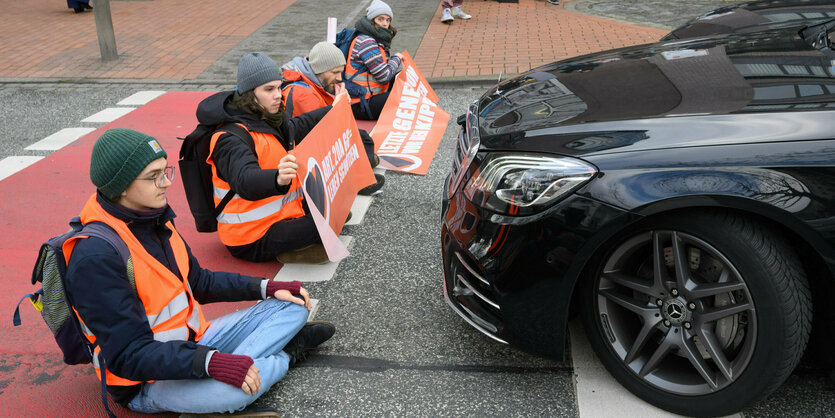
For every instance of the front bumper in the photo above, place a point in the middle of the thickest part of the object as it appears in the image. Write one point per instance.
(512, 278)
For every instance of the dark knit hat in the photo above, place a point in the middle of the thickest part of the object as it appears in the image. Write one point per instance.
(119, 155)
(377, 8)
(255, 69)
(325, 56)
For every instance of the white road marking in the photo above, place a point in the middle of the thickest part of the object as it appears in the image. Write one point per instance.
(141, 98)
(11, 165)
(313, 309)
(311, 272)
(380, 170)
(598, 393)
(59, 139)
(359, 208)
(109, 115)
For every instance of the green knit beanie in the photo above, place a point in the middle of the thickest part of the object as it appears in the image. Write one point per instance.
(119, 155)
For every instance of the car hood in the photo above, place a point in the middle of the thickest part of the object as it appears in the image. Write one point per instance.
(756, 16)
(620, 96)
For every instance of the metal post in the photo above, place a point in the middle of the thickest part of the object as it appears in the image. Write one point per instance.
(104, 29)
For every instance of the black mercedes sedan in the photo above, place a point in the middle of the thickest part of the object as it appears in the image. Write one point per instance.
(679, 197)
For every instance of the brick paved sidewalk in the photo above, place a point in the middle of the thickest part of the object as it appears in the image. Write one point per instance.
(159, 39)
(180, 39)
(510, 38)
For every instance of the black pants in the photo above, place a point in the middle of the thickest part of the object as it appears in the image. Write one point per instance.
(283, 236)
(368, 144)
(375, 103)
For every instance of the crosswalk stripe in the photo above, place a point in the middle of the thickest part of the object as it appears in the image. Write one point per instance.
(359, 209)
(13, 164)
(598, 393)
(314, 307)
(140, 98)
(59, 139)
(108, 115)
(311, 272)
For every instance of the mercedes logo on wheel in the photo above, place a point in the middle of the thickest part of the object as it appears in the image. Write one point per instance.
(675, 311)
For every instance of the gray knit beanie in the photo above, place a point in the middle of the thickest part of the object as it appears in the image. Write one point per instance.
(377, 8)
(325, 56)
(119, 155)
(255, 69)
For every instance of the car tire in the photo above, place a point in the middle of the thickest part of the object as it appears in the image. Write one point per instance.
(742, 357)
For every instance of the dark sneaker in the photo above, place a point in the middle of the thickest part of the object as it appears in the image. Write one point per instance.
(309, 337)
(375, 161)
(312, 254)
(374, 189)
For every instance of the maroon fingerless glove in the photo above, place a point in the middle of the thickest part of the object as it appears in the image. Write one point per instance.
(229, 368)
(294, 287)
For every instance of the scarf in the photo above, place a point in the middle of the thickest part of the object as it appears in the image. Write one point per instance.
(275, 120)
(380, 34)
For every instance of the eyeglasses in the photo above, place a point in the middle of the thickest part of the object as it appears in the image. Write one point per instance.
(159, 179)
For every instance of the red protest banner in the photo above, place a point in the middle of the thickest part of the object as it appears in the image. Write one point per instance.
(333, 167)
(411, 124)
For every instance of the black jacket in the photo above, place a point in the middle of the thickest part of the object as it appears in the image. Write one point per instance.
(236, 163)
(98, 285)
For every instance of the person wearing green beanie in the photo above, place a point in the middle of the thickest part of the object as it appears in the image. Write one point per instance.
(145, 313)
(118, 157)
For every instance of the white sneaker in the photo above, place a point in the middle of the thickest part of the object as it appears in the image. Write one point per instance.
(447, 16)
(457, 12)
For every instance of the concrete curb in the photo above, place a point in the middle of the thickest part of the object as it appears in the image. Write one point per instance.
(465, 82)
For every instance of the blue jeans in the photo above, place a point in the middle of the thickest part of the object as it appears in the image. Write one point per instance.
(260, 332)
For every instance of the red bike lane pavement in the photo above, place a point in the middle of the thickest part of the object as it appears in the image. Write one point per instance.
(38, 203)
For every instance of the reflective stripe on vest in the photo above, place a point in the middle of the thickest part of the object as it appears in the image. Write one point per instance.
(258, 213)
(364, 79)
(244, 221)
(166, 298)
(179, 303)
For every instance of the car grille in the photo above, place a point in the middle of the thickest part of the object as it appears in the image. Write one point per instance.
(472, 297)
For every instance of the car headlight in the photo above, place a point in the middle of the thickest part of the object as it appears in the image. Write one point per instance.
(522, 184)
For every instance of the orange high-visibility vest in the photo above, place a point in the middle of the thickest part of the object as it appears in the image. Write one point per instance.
(168, 300)
(246, 221)
(365, 79)
(307, 97)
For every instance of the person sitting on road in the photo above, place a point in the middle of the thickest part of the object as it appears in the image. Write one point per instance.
(313, 82)
(318, 76)
(267, 218)
(159, 352)
(369, 64)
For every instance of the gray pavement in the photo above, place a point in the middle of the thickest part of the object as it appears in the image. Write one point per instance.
(664, 14)
(293, 32)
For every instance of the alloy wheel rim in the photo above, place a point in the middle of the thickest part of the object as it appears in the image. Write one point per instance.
(676, 313)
